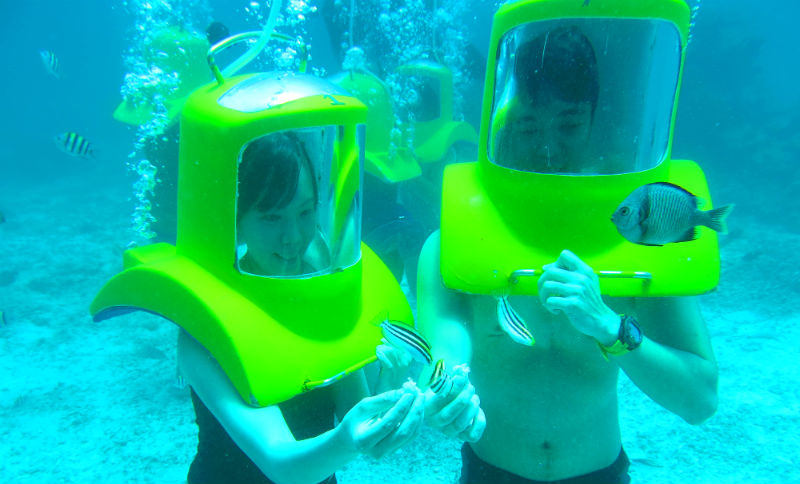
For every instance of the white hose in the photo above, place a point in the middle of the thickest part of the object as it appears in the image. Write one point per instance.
(256, 49)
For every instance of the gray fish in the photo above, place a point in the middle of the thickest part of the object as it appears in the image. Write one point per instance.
(74, 144)
(51, 63)
(662, 213)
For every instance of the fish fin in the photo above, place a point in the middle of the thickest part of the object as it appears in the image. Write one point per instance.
(690, 235)
(674, 186)
(644, 212)
(715, 219)
(700, 202)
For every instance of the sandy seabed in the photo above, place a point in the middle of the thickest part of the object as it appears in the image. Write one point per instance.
(99, 402)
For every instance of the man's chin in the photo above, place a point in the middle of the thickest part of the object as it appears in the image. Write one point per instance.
(288, 266)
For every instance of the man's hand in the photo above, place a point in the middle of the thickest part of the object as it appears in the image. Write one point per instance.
(570, 286)
(457, 412)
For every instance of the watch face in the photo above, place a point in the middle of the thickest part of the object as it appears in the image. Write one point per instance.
(632, 333)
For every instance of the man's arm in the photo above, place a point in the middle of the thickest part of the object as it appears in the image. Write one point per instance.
(675, 364)
(442, 314)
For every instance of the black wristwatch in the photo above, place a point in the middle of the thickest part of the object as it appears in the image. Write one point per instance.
(628, 339)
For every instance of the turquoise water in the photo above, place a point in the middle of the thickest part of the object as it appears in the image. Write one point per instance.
(83, 401)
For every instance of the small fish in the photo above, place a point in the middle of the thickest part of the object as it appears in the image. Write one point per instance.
(440, 381)
(662, 213)
(74, 144)
(512, 323)
(51, 63)
(405, 337)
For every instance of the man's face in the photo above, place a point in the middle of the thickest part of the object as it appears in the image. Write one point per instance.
(546, 136)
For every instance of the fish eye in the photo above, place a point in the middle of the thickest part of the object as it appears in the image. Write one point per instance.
(625, 211)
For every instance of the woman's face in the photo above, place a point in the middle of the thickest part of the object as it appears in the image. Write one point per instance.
(549, 137)
(277, 239)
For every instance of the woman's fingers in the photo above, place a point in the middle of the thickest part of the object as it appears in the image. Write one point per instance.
(375, 428)
(400, 428)
(391, 357)
(385, 360)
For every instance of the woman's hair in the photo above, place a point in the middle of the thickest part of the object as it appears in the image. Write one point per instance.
(560, 63)
(269, 172)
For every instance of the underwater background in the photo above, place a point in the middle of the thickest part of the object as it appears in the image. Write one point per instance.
(85, 402)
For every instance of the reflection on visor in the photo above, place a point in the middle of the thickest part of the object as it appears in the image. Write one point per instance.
(584, 96)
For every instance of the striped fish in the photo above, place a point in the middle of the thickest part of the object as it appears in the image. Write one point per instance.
(74, 144)
(405, 337)
(51, 64)
(512, 323)
(440, 381)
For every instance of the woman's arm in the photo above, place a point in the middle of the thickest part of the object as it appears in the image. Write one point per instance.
(375, 426)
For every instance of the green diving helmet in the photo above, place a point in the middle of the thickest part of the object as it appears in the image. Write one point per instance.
(173, 51)
(388, 165)
(268, 272)
(435, 130)
(578, 111)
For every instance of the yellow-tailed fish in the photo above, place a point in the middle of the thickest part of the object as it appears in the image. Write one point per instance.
(405, 337)
(440, 381)
(512, 323)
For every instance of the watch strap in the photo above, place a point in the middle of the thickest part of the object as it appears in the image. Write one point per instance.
(624, 343)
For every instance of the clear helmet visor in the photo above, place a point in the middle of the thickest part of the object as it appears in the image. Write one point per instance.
(584, 95)
(298, 204)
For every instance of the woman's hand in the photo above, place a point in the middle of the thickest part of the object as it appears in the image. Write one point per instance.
(457, 412)
(379, 425)
(394, 366)
(570, 286)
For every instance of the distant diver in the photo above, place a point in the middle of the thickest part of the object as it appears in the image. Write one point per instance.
(217, 31)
